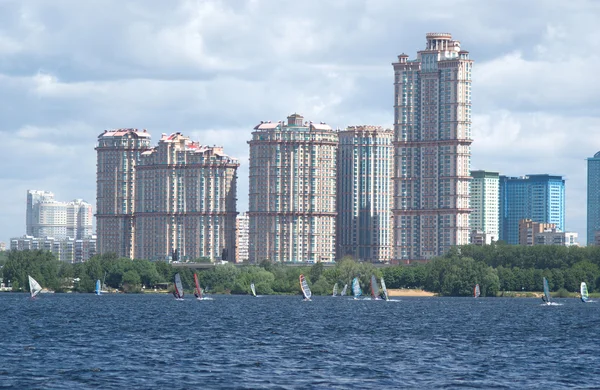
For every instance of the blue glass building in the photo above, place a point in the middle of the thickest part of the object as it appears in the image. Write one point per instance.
(593, 197)
(540, 198)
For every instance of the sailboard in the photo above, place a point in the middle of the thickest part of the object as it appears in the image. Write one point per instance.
(374, 288)
(335, 288)
(356, 291)
(343, 293)
(546, 297)
(584, 292)
(98, 290)
(178, 288)
(34, 287)
(476, 291)
(198, 290)
(253, 289)
(384, 289)
(305, 288)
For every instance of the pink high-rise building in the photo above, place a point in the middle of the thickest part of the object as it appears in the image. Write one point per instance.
(432, 138)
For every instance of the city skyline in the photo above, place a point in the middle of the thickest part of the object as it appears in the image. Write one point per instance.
(208, 69)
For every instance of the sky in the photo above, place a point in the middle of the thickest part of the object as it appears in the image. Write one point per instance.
(70, 69)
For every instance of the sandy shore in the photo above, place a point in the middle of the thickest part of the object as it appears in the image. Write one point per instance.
(405, 292)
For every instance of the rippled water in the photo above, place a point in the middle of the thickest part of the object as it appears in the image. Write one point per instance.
(152, 341)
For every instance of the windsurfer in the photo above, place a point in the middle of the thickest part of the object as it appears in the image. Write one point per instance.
(175, 294)
(544, 298)
(196, 294)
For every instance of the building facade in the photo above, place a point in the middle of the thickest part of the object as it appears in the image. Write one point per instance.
(118, 152)
(432, 138)
(46, 217)
(484, 201)
(292, 191)
(68, 249)
(34, 197)
(185, 201)
(528, 230)
(556, 237)
(593, 198)
(241, 240)
(540, 198)
(364, 198)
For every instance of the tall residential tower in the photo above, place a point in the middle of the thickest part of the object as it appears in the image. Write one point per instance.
(485, 205)
(540, 198)
(432, 138)
(292, 191)
(364, 199)
(118, 152)
(185, 203)
(593, 198)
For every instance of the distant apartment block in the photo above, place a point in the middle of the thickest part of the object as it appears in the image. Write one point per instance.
(593, 198)
(242, 242)
(2, 246)
(118, 152)
(432, 138)
(46, 217)
(185, 201)
(364, 193)
(484, 201)
(292, 192)
(556, 237)
(540, 198)
(528, 230)
(69, 250)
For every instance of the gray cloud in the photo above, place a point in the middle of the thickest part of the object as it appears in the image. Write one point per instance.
(213, 69)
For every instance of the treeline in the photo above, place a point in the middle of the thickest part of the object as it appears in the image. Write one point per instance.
(496, 268)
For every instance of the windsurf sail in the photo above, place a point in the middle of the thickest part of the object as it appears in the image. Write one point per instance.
(374, 288)
(334, 290)
(98, 290)
(546, 291)
(34, 287)
(253, 289)
(305, 288)
(198, 292)
(344, 290)
(178, 287)
(584, 292)
(385, 293)
(476, 291)
(356, 288)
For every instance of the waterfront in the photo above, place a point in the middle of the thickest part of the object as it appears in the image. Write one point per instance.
(152, 341)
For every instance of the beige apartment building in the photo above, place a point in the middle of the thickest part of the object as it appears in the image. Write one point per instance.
(364, 193)
(185, 203)
(292, 194)
(118, 152)
(432, 138)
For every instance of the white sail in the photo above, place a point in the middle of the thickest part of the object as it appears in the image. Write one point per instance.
(178, 286)
(476, 291)
(344, 290)
(385, 292)
(584, 292)
(305, 289)
(334, 290)
(253, 289)
(34, 287)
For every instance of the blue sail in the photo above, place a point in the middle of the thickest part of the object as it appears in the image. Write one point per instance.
(98, 287)
(546, 291)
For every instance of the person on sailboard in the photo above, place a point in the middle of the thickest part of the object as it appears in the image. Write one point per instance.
(544, 298)
(196, 294)
(175, 294)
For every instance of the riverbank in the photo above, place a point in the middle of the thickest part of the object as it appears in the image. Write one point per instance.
(409, 292)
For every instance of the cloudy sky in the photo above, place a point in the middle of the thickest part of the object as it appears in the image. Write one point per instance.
(214, 69)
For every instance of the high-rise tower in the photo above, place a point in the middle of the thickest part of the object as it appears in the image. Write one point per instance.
(364, 199)
(432, 138)
(118, 152)
(540, 198)
(292, 191)
(485, 204)
(185, 206)
(593, 198)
